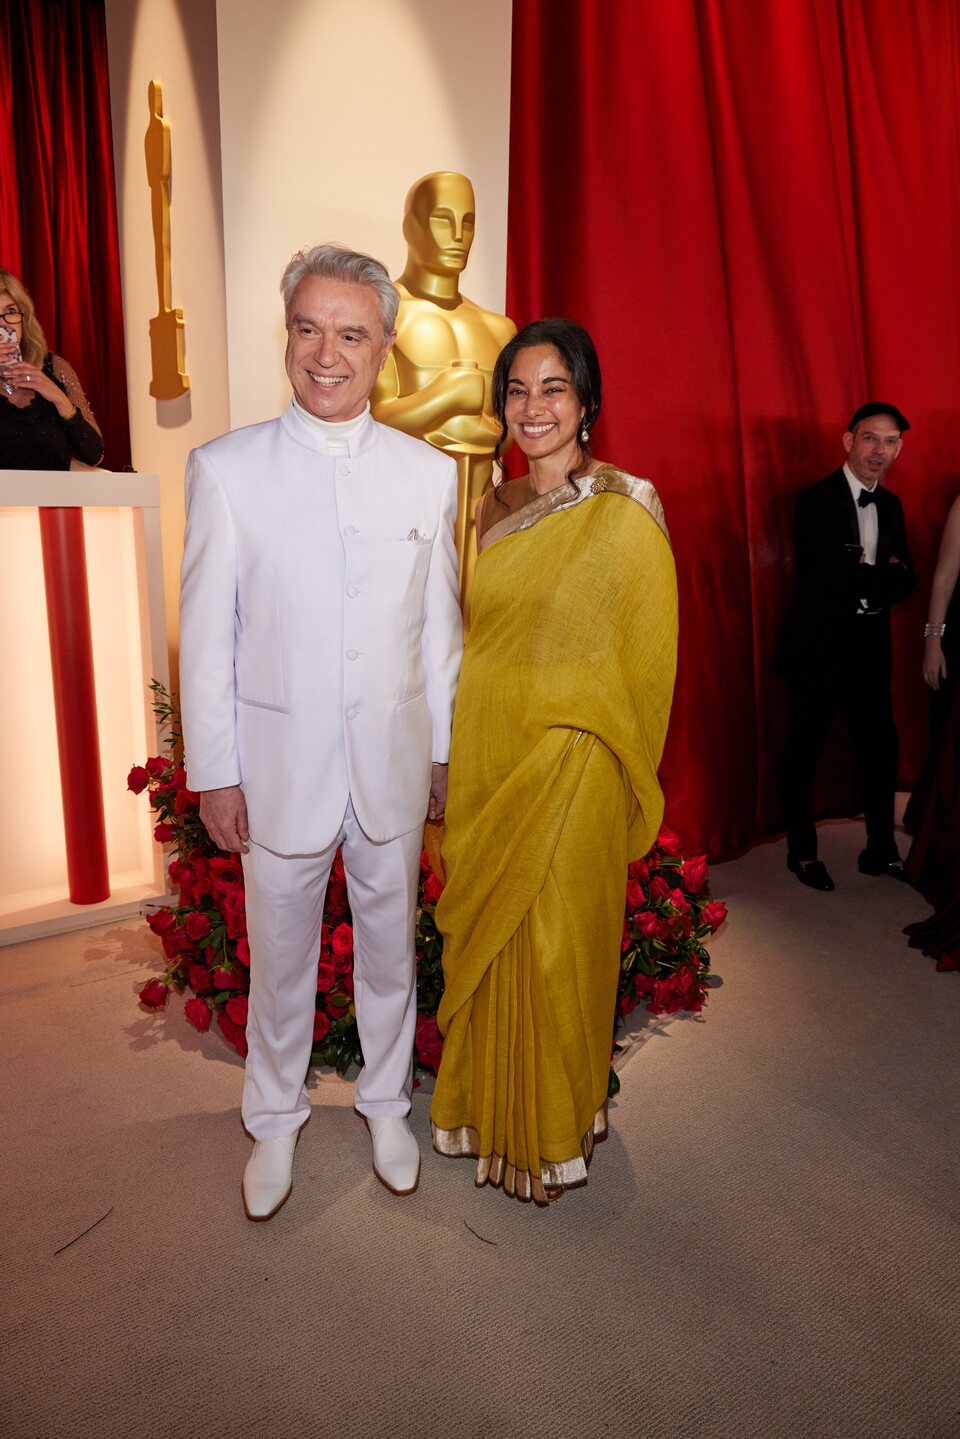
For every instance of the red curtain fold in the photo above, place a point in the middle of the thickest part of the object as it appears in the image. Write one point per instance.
(753, 210)
(58, 213)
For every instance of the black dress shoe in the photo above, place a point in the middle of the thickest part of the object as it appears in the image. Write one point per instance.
(813, 873)
(866, 864)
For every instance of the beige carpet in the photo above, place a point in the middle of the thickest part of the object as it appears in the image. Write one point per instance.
(769, 1244)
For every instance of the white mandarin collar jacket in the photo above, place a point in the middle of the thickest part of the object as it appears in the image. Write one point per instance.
(320, 627)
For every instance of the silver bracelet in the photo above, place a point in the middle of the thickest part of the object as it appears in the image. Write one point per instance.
(933, 629)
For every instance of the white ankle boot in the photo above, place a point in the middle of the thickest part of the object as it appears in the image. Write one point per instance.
(268, 1177)
(396, 1157)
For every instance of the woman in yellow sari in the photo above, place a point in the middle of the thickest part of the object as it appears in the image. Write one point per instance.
(560, 721)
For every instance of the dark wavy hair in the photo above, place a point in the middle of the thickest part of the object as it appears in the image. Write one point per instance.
(577, 351)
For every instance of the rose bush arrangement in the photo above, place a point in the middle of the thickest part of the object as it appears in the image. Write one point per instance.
(663, 962)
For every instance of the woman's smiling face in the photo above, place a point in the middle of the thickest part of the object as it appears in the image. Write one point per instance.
(542, 411)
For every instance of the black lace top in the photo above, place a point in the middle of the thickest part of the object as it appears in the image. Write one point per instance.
(36, 438)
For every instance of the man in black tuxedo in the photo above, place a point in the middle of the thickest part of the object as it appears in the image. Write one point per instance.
(853, 563)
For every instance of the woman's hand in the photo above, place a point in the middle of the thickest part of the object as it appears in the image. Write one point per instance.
(31, 377)
(934, 664)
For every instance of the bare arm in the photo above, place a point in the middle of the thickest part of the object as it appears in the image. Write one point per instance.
(944, 582)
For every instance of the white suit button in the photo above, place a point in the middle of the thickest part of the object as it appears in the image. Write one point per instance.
(353, 654)
(352, 591)
(350, 531)
(344, 469)
(353, 711)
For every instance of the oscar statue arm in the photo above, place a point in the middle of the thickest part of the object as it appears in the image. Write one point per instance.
(452, 392)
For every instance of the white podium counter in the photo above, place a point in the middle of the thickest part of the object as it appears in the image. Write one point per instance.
(121, 535)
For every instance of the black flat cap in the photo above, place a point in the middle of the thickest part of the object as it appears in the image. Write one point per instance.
(878, 407)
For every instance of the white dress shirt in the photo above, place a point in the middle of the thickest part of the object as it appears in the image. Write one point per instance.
(868, 524)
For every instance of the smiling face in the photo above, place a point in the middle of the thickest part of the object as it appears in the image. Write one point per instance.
(542, 411)
(872, 448)
(335, 346)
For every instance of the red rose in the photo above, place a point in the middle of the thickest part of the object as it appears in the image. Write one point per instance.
(234, 913)
(200, 978)
(428, 1044)
(648, 924)
(345, 982)
(326, 976)
(226, 874)
(659, 889)
(341, 941)
(325, 932)
(321, 1026)
(662, 989)
(201, 874)
(336, 900)
(425, 865)
(161, 920)
(337, 871)
(638, 870)
(178, 777)
(679, 901)
(636, 897)
(236, 1007)
(163, 833)
(153, 995)
(626, 938)
(222, 978)
(156, 767)
(138, 779)
(186, 802)
(686, 980)
(432, 888)
(175, 943)
(180, 872)
(627, 1003)
(343, 964)
(232, 1033)
(714, 914)
(198, 1013)
(643, 983)
(694, 873)
(668, 841)
(243, 952)
(197, 925)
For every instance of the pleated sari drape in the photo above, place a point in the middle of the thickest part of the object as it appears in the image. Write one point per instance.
(559, 726)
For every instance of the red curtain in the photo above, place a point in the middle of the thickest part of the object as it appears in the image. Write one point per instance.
(753, 209)
(58, 213)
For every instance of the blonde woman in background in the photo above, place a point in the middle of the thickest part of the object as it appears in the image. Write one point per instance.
(45, 419)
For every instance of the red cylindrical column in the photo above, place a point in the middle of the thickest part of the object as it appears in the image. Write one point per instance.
(71, 654)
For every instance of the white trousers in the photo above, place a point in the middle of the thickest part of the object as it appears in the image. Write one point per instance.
(284, 903)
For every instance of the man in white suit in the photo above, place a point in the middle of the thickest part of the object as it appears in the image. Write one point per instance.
(320, 648)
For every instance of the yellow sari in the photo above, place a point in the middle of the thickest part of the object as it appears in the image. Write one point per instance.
(560, 720)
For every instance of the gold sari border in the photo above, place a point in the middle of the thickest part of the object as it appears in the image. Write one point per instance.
(606, 480)
(496, 1170)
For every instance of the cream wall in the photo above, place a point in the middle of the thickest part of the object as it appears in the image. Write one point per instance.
(329, 111)
(175, 43)
(291, 122)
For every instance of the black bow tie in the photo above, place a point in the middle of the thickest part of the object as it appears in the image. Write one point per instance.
(866, 497)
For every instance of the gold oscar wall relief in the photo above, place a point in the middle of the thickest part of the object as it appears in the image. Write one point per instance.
(436, 382)
(169, 379)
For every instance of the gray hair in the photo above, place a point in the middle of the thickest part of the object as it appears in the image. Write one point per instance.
(352, 267)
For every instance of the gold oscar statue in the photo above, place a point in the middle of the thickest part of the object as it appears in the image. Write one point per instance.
(166, 328)
(436, 382)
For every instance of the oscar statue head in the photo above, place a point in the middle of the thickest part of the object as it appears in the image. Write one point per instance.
(438, 222)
